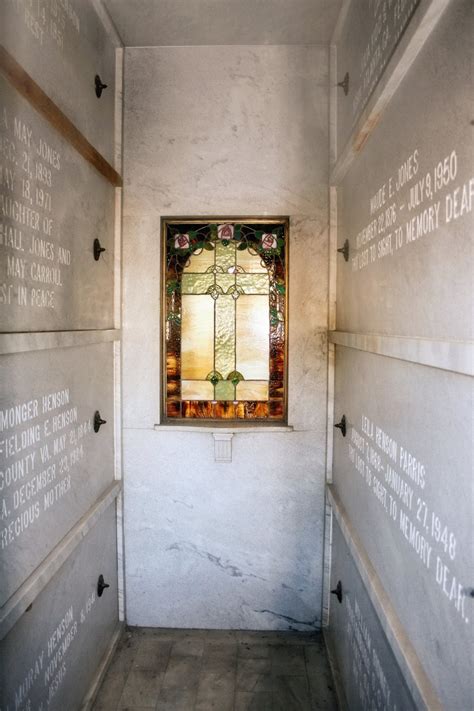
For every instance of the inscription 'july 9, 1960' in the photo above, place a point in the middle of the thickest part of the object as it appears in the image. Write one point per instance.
(411, 205)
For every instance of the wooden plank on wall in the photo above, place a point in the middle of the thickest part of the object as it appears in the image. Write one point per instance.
(28, 88)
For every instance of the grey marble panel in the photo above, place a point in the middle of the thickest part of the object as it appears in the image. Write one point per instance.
(50, 656)
(53, 205)
(404, 474)
(148, 23)
(406, 204)
(367, 668)
(62, 45)
(53, 466)
(371, 31)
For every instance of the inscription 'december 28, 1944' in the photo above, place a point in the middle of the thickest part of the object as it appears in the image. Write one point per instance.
(53, 465)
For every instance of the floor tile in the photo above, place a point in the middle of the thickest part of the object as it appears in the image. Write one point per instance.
(110, 692)
(188, 647)
(251, 672)
(291, 693)
(152, 654)
(288, 660)
(253, 651)
(182, 673)
(260, 701)
(141, 689)
(319, 675)
(220, 657)
(216, 691)
(217, 670)
(176, 699)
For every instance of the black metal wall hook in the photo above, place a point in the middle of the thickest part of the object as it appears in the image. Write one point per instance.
(344, 84)
(98, 421)
(99, 86)
(342, 425)
(344, 250)
(97, 249)
(338, 591)
(101, 585)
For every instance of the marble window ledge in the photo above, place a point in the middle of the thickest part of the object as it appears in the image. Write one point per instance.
(218, 429)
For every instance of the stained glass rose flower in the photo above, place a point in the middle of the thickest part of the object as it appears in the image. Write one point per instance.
(181, 241)
(269, 241)
(225, 232)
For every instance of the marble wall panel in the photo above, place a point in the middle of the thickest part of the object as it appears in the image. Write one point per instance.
(404, 475)
(53, 205)
(367, 668)
(370, 33)
(406, 205)
(223, 546)
(63, 45)
(225, 130)
(53, 466)
(51, 655)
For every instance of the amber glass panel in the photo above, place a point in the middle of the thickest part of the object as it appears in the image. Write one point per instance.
(225, 327)
(197, 337)
(253, 337)
(252, 390)
(197, 390)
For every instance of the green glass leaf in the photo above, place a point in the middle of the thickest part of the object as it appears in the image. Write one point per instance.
(213, 230)
(214, 376)
(241, 246)
(225, 242)
(280, 288)
(209, 246)
(235, 377)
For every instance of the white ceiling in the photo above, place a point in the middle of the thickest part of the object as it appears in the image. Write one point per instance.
(142, 23)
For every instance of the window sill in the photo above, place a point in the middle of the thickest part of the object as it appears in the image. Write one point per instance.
(224, 429)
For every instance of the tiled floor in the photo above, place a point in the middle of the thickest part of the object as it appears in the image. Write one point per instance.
(177, 670)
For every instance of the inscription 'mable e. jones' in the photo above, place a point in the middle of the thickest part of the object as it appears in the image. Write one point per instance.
(400, 483)
(41, 442)
(35, 265)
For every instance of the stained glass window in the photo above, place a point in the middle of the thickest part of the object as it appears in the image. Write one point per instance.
(225, 304)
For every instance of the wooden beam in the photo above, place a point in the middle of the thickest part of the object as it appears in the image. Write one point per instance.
(41, 102)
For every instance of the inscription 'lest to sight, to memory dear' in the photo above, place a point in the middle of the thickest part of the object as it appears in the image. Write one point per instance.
(403, 488)
(411, 205)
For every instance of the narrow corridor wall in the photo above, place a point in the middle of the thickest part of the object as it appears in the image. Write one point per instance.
(225, 131)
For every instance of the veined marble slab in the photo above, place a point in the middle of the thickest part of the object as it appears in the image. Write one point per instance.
(51, 655)
(63, 45)
(367, 39)
(366, 666)
(404, 475)
(53, 466)
(406, 204)
(53, 205)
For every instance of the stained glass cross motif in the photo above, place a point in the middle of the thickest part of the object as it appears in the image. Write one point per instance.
(225, 324)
